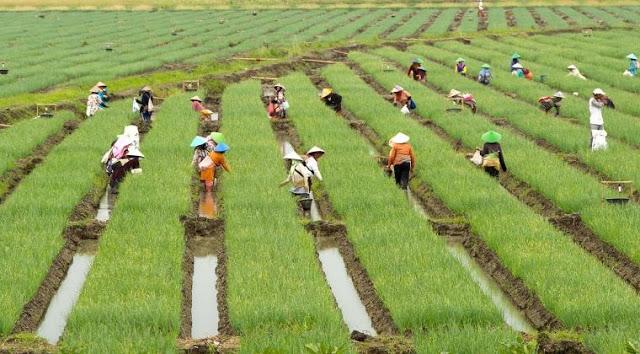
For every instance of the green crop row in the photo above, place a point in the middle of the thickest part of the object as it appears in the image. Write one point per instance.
(602, 15)
(469, 21)
(570, 189)
(581, 19)
(441, 24)
(497, 19)
(131, 298)
(411, 26)
(607, 43)
(551, 18)
(620, 161)
(548, 262)
(36, 213)
(624, 13)
(278, 299)
(439, 302)
(23, 137)
(391, 20)
(524, 19)
(351, 26)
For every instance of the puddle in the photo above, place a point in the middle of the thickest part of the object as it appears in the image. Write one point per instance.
(314, 212)
(511, 315)
(207, 207)
(204, 303)
(55, 320)
(287, 148)
(105, 207)
(353, 311)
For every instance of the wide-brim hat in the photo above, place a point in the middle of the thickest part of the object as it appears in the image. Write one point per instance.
(292, 155)
(515, 56)
(195, 98)
(146, 89)
(217, 137)
(94, 89)
(486, 66)
(418, 60)
(396, 88)
(131, 130)
(101, 84)
(206, 111)
(517, 66)
(221, 147)
(632, 56)
(572, 67)
(198, 140)
(422, 68)
(135, 152)
(459, 60)
(558, 94)
(453, 93)
(491, 137)
(399, 138)
(598, 91)
(315, 149)
(279, 85)
(325, 92)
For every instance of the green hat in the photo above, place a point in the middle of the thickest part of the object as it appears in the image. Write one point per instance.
(486, 66)
(217, 137)
(459, 60)
(418, 60)
(491, 137)
(515, 56)
(422, 68)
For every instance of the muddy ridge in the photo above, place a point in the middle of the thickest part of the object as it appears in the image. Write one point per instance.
(483, 20)
(536, 17)
(12, 178)
(425, 26)
(600, 22)
(564, 16)
(548, 345)
(457, 20)
(388, 31)
(511, 18)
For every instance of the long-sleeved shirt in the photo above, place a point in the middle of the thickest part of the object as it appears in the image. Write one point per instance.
(461, 68)
(312, 165)
(299, 175)
(144, 101)
(218, 161)
(412, 70)
(548, 103)
(401, 153)
(484, 77)
(103, 96)
(93, 103)
(334, 101)
(633, 67)
(494, 149)
(576, 73)
(197, 106)
(595, 111)
(401, 98)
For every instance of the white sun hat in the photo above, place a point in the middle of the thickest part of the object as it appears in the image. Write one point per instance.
(135, 152)
(558, 94)
(572, 67)
(292, 155)
(453, 93)
(397, 88)
(195, 98)
(399, 138)
(598, 91)
(315, 149)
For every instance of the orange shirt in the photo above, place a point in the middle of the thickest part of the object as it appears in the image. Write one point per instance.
(218, 160)
(401, 153)
(401, 97)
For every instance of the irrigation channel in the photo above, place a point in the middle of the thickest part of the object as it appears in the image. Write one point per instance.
(55, 320)
(351, 306)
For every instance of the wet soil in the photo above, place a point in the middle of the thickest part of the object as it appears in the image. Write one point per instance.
(388, 31)
(600, 22)
(219, 344)
(457, 20)
(382, 344)
(511, 19)
(12, 114)
(536, 17)
(564, 16)
(548, 345)
(425, 26)
(12, 178)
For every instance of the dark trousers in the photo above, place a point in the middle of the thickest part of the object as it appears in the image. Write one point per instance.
(401, 173)
(492, 171)
(146, 116)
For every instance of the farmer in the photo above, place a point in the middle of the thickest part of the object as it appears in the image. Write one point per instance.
(209, 161)
(200, 152)
(103, 94)
(274, 110)
(282, 100)
(299, 175)
(596, 104)
(93, 102)
(493, 159)
(416, 70)
(215, 138)
(402, 98)
(549, 102)
(130, 162)
(461, 67)
(463, 99)
(331, 99)
(311, 160)
(146, 104)
(632, 70)
(573, 71)
(515, 59)
(196, 105)
(401, 159)
(484, 77)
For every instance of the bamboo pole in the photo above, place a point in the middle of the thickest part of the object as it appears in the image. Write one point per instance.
(255, 59)
(264, 78)
(320, 61)
(5, 126)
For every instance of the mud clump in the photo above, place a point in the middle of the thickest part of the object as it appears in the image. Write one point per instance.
(548, 345)
(218, 344)
(382, 344)
(82, 231)
(203, 227)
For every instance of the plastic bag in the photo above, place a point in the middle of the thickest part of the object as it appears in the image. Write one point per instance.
(206, 163)
(405, 109)
(477, 158)
(150, 107)
(599, 140)
(135, 106)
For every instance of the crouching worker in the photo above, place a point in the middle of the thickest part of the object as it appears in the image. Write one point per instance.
(274, 109)
(461, 67)
(463, 99)
(402, 98)
(207, 161)
(417, 71)
(196, 105)
(493, 159)
(299, 175)
(547, 103)
(484, 77)
(103, 95)
(632, 70)
(331, 99)
(402, 160)
(93, 102)
(574, 72)
(130, 162)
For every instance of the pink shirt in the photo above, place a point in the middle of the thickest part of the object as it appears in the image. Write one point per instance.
(197, 106)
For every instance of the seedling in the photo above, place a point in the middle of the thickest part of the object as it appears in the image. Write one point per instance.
(191, 85)
(46, 110)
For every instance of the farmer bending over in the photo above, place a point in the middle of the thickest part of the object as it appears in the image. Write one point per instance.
(401, 159)
(547, 103)
(331, 99)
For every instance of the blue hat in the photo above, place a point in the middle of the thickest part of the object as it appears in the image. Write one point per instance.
(197, 141)
(222, 147)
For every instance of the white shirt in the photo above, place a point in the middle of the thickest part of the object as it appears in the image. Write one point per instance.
(576, 73)
(595, 110)
(312, 165)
